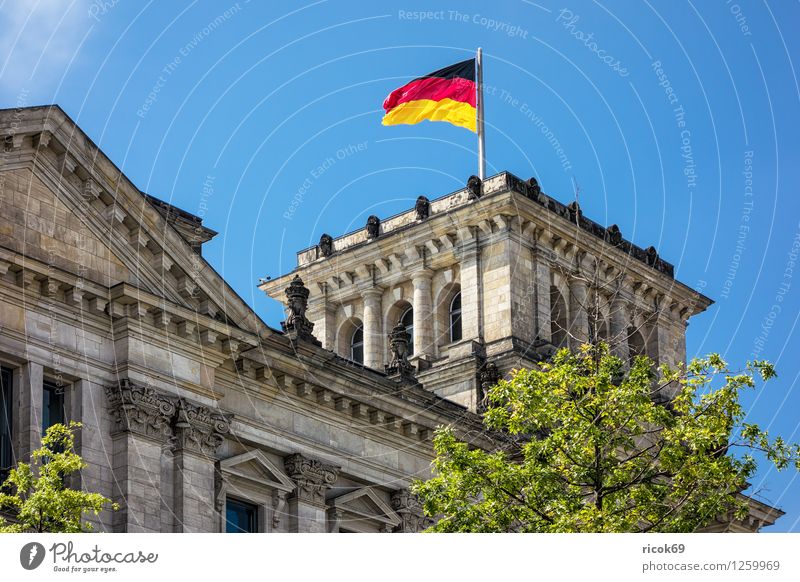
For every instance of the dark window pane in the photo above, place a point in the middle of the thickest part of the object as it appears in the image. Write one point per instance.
(52, 406)
(6, 411)
(240, 517)
(455, 318)
(408, 322)
(357, 346)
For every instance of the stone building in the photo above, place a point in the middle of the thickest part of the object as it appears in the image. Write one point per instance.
(496, 273)
(199, 417)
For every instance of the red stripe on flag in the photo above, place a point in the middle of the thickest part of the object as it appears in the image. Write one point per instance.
(434, 89)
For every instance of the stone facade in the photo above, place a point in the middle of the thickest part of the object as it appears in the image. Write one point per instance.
(530, 274)
(192, 407)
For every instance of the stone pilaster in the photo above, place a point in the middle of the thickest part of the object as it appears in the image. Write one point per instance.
(541, 290)
(307, 507)
(619, 328)
(579, 320)
(423, 319)
(28, 381)
(373, 329)
(141, 424)
(199, 432)
(88, 403)
(323, 315)
(469, 256)
(408, 507)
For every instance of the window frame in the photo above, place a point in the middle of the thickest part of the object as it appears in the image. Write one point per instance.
(49, 389)
(357, 345)
(7, 411)
(248, 505)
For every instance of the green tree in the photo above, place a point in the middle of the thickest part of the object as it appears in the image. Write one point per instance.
(35, 494)
(586, 445)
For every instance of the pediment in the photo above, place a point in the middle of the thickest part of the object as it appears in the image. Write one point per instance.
(366, 503)
(255, 467)
(69, 201)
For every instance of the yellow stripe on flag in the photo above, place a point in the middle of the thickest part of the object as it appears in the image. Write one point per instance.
(411, 112)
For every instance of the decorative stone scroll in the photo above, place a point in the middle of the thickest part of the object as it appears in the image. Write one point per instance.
(144, 411)
(313, 478)
(141, 410)
(198, 428)
(408, 507)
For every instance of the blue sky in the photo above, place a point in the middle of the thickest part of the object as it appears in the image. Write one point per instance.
(677, 119)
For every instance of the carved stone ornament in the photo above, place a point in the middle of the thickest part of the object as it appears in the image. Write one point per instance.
(398, 345)
(533, 184)
(651, 256)
(614, 236)
(408, 507)
(141, 410)
(575, 212)
(488, 376)
(145, 411)
(373, 227)
(326, 245)
(423, 208)
(198, 428)
(313, 478)
(474, 187)
(297, 326)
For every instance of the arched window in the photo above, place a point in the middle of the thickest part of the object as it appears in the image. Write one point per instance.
(357, 345)
(636, 345)
(455, 318)
(558, 318)
(407, 320)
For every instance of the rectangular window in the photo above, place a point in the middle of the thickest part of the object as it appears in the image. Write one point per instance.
(240, 517)
(6, 419)
(52, 405)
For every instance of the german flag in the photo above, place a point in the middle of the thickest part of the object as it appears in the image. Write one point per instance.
(445, 95)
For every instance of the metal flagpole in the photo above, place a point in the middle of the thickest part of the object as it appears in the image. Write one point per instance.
(479, 103)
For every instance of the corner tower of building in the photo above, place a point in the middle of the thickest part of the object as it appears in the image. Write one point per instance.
(489, 278)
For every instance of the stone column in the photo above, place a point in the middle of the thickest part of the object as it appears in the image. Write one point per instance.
(423, 319)
(307, 508)
(471, 326)
(199, 432)
(541, 290)
(373, 329)
(28, 382)
(142, 420)
(619, 328)
(579, 319)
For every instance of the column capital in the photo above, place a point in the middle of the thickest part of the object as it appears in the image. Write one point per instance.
(422, 274)
(313, 478)
(199, 429)
(141, 410)
(373, 292)
(408, 507)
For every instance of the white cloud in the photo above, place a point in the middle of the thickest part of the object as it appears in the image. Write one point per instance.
(39, 39)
